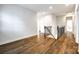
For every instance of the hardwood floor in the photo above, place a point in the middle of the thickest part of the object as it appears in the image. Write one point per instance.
(64, 45)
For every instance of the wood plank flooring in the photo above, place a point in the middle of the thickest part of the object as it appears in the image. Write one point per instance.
(64, 45)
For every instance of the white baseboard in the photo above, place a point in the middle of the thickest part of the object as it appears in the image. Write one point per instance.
(19, 38)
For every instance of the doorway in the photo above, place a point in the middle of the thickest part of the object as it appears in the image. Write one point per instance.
(69, 24)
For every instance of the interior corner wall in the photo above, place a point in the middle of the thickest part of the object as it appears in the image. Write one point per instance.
(16, 22)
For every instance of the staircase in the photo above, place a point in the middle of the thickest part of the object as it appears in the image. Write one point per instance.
(47, 31)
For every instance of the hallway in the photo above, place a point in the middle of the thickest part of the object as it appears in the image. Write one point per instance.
(21, 27)
(64, 45)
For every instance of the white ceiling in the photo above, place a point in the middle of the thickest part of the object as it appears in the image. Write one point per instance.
(58, 9)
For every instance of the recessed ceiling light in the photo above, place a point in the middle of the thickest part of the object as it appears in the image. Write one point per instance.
(50, 7)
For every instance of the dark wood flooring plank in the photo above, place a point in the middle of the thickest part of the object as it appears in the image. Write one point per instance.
(64, 45)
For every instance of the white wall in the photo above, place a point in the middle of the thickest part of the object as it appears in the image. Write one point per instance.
(60, 21)
(48, 20)
(77, 26)
(16, 22)
(76, 23)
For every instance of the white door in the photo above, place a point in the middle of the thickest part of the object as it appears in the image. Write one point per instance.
(69, 25)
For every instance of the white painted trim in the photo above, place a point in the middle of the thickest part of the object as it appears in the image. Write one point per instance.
(20, 38)
(76, 23)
